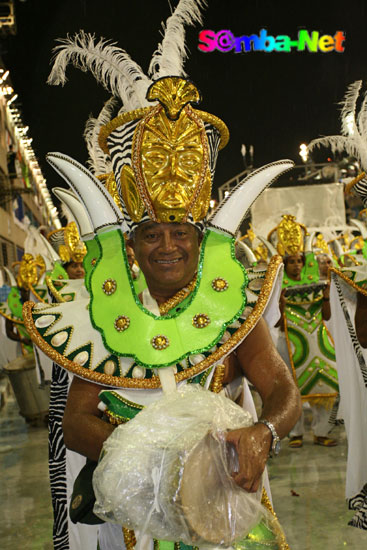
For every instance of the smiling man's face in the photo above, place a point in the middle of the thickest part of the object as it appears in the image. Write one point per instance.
(167, 253)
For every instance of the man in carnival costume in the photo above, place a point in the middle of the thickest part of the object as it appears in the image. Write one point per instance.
(197, 315)
(348, 301)
(309, 349)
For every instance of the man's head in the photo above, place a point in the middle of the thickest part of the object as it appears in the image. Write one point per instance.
(167, 254)
(293, 265)
(75, 270)
(324, 262)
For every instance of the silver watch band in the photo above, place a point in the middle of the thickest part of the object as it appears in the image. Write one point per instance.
(275, 445)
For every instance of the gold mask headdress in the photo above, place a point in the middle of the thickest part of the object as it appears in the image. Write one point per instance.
(66, 241)
(30, 271)
(168, 176)
(290, 236)
(163, 150)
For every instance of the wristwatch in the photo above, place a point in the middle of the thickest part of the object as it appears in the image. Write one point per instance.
(275, 445)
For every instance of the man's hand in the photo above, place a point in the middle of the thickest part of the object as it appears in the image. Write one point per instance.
(252, 445)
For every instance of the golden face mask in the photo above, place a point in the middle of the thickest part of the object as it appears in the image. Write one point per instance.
(172, 168)
(289, 235)
(30, 271)
(169, 178)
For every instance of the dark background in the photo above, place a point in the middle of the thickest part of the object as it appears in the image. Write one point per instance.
(274, 101)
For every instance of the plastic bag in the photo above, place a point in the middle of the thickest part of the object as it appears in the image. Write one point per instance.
(167, 472)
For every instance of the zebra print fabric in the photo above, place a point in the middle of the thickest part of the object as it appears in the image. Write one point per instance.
(359, 503)
(351, 330)
(57, 457)
(361, 190)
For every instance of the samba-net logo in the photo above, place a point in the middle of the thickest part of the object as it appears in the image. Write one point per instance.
(225, 41)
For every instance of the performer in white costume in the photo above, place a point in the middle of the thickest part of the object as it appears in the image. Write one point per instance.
(348, 300)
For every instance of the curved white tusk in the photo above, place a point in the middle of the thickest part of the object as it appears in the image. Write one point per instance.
(337, 247)
(308, 242)
(102, 211)
(233, 209)
(251, 258)
(49, 265)
(51, 251)
(270, 248)
(76, 210)
(11, 276)
(360, 226)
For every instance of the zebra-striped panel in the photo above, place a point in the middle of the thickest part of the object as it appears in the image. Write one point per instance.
(352, 333)
(57, 457)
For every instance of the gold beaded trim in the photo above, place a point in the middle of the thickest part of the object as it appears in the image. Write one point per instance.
(349, 281)
(178, 297)
(13, 319)
(154, 382)
(115, 419)
(282, 542)
(127, 402)
(37, 295)
(56, 294)
(129, 538)
(216, 384)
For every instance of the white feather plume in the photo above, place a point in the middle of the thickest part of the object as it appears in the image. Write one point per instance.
(109, 64)
(353, 128)
(65, 212)
(98, 162)
(171, 53)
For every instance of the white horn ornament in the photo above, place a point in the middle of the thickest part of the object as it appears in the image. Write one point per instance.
(360, 226)
(76, 210)
(233, 209)
(11, 276)
(270, 248)
(308, 242)
(102, 211)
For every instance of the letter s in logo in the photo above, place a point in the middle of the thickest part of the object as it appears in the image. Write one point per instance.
(209, 41)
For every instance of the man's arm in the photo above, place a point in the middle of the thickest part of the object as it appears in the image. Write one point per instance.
(361, 319)
(265, 369)
(84, 430)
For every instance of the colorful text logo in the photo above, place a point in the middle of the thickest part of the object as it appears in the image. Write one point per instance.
(225, 41)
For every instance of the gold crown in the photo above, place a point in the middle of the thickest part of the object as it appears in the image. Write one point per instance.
(170, 174)
(289, 235)
(66, 241)
(30, 271)
(320, 246)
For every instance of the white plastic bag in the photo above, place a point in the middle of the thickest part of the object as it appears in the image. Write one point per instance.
(166, 473)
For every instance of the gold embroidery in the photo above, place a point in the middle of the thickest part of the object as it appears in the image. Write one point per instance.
(178, 297)
(216, 384)
(349, 281)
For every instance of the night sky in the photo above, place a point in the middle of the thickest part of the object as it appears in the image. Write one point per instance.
(274, 101)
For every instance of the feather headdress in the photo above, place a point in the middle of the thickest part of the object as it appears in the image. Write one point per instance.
(353, 138)
(354, 134)
(98, 162)
(113, 67)
(156, 109)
